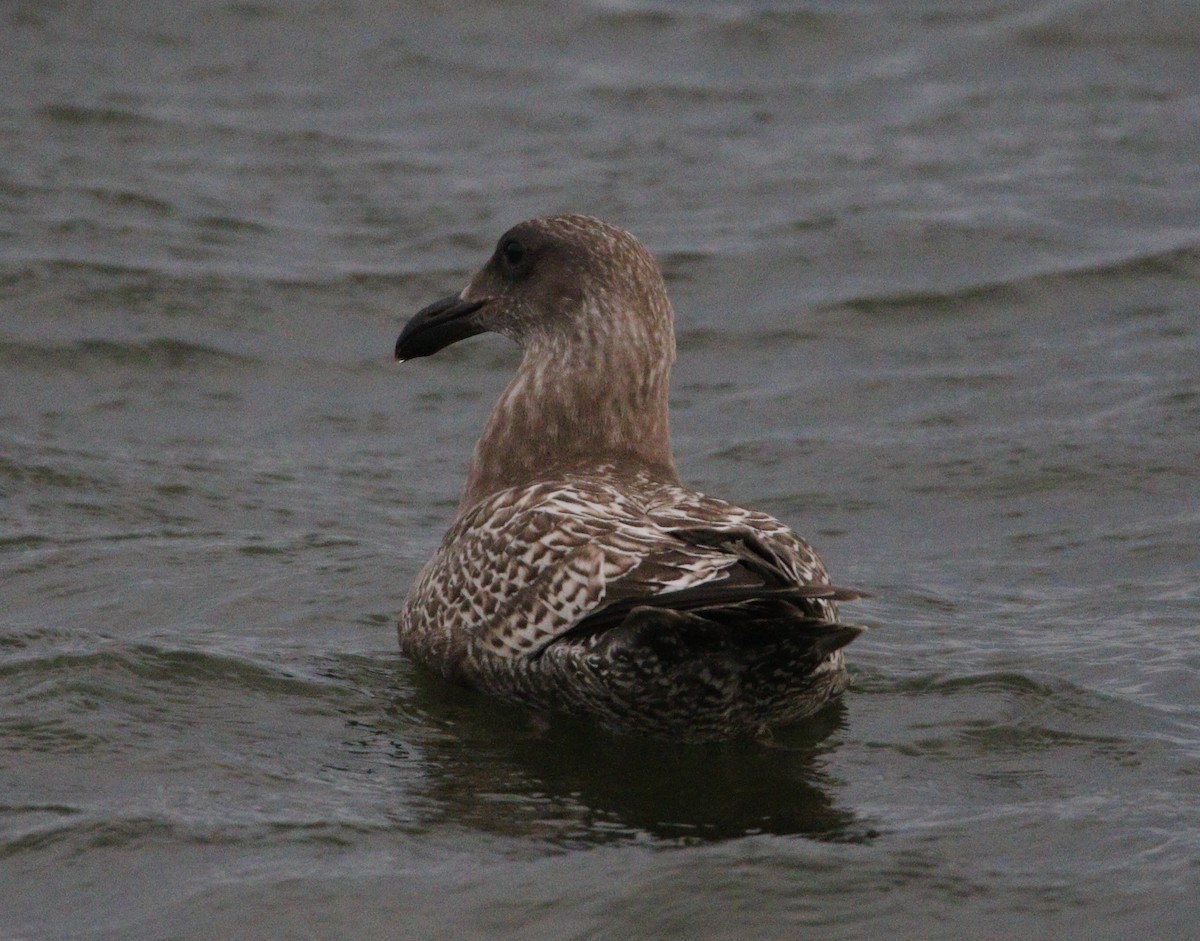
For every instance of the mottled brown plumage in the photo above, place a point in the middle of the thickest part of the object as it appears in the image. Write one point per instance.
(580, 574)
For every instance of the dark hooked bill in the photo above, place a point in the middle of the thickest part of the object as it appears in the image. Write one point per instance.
(437, 326)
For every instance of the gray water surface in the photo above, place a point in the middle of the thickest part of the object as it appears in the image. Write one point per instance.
(936, 269)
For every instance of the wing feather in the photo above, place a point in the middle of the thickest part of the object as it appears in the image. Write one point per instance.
(530, 566)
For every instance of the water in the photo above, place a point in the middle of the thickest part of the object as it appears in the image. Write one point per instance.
(936, 269)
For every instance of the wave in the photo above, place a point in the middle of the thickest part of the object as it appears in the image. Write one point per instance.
(80, 115)
(91, 354)
(1179, 259)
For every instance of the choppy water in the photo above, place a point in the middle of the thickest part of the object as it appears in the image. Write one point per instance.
(936, 267)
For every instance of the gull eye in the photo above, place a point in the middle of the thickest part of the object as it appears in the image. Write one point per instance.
(513, 253)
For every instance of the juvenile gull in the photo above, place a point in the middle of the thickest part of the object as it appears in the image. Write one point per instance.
(579, 574)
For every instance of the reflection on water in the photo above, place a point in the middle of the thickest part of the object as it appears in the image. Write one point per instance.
(506, 770)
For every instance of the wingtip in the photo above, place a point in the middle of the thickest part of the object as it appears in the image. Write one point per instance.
(829, 592)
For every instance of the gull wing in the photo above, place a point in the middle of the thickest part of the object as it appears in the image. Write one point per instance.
(531, 566)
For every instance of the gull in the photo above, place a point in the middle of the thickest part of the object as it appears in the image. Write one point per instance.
(580, 574)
